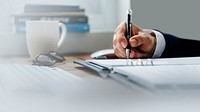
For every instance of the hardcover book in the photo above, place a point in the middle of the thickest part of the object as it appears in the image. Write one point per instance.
(51, 8)
(20, 19)
(21, 28)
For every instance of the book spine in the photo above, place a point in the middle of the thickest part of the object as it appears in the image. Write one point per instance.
(78, 27)
(20, 28)
(53, 10)
(47, 8)
(54, 14)
(63, 19)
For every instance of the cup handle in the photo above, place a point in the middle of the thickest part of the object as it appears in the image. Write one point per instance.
(63, 34)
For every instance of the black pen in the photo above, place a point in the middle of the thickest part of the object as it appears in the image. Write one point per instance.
(128, 31)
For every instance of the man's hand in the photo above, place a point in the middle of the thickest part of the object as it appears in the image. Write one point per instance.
(143, 44)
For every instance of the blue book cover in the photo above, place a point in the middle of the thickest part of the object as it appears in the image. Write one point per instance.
(78, 27)
(20, 28)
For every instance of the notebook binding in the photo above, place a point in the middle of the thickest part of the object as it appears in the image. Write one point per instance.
(142, 62)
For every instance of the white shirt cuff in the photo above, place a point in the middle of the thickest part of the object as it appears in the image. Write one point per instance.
(160, 43)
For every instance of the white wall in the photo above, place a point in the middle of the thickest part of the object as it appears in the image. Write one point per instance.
(179, 17)
(122, 6)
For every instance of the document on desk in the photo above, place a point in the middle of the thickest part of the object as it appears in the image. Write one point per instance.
(27, 88)
(15, 77)
(163, 73)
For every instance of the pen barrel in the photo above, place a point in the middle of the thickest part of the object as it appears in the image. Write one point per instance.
(128, 45)
(128, 35)
(128, 25)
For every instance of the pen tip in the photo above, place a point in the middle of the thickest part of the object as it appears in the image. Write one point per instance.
(127, 53)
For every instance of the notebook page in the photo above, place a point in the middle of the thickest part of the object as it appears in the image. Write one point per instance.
(24, 77)
(110, 63)
(177, 61)
(174, 76)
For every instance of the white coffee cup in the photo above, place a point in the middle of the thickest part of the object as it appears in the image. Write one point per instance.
(44, 36)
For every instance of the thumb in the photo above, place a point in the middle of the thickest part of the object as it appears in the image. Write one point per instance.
(135, 29)
(136, 41)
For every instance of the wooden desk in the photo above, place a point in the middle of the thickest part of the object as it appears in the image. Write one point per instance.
(67, 66)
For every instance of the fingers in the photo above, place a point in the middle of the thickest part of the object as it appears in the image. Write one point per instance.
(119, 54)
(141, 39)
(135, 53)
(119, 48)
(137, 40)
(119, 40)
(144, 44)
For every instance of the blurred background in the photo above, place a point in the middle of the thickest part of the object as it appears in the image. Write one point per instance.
(101, 18)
(180, 18)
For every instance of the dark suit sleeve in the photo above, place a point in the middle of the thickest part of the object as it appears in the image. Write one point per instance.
(178, 47)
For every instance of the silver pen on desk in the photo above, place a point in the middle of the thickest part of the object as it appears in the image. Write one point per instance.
(128, 31)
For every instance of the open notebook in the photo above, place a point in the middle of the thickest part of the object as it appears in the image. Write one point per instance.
(165, 73)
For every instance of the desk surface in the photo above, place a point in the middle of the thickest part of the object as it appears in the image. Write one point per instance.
(91, 96)
(67, 66)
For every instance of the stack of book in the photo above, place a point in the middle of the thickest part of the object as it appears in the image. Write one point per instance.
(72, 16)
